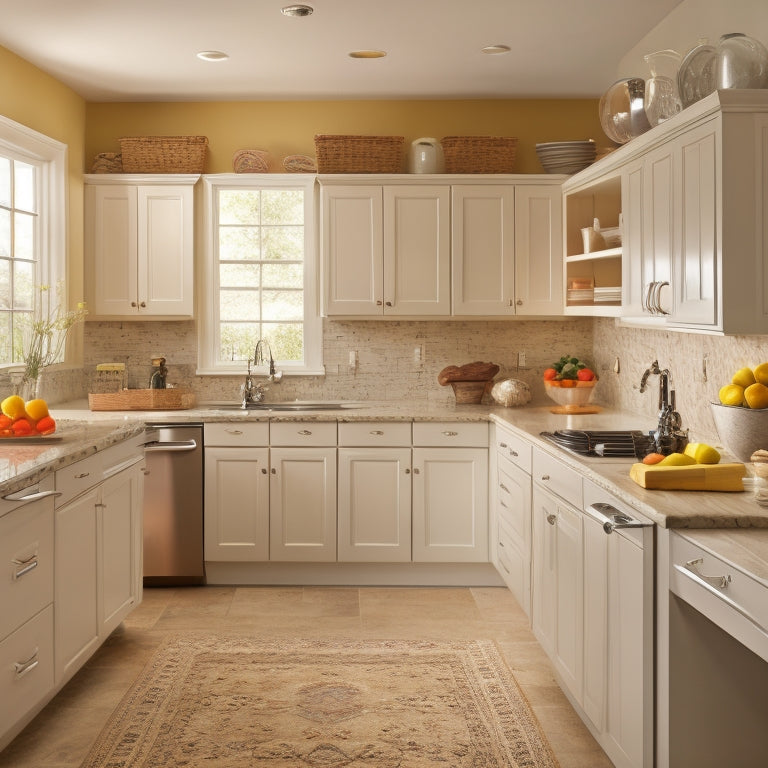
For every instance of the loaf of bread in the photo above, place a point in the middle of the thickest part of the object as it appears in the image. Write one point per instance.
(477, 371)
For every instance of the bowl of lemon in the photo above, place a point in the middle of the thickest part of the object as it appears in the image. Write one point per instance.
(741, 416)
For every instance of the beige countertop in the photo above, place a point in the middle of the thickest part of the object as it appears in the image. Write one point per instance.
(83, 431)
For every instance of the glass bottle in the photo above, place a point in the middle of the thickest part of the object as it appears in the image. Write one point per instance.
(662, 99)
(741, 62)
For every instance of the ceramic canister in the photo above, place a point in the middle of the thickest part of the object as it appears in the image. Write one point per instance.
(426, 156)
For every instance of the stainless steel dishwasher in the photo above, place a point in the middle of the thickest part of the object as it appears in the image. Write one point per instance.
(173, 505)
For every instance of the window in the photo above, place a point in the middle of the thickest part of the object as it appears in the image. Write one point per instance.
(260, 275)
(32, 230)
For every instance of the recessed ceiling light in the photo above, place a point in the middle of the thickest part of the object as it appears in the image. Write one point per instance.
(496, 49)
(212, 56)
(297, 10)
(367, 54)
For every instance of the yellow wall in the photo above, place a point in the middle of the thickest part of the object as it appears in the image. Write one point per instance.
(288, 127)
(39, 101)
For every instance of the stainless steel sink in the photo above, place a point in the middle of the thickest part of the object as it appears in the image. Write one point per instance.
(291, 406)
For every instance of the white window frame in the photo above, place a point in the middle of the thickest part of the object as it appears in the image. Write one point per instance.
(208, 277)
(51, 156)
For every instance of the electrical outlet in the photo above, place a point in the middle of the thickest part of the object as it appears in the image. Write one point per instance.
(352, 358)
(417, 354)
(521, 359)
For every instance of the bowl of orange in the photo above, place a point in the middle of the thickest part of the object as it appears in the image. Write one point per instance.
(571, 383)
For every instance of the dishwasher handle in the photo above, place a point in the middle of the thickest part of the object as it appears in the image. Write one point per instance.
(611, 518)
(156, 446)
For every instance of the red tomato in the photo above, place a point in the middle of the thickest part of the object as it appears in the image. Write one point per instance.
(585, 374)
(46, 425)
(549, 374)
(5, 421)
(21, 428)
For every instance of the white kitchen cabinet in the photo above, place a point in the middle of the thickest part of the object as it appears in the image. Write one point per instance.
(236, 503)
(386, 249)
(374, 514)
(510, 510)
(506, 249)
(97, 526)
(139, 246)
(26, 596)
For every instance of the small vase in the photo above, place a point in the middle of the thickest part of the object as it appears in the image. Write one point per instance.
(27, 389)
(662, 99)
(741, 62)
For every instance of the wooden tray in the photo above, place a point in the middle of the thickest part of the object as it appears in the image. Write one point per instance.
(176, 399)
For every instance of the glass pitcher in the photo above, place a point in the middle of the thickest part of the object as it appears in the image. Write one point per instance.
(662, 99)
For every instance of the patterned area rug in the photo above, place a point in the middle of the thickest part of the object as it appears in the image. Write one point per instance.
(231, 702)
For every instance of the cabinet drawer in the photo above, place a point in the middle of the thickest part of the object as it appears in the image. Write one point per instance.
(236, 433)
(26, 556)
(514, 448)
(73, 480)
(302, 433)
(450, 433)
(510, 507)
(374, 433)
(727, 596)
(560, 479)
(26, 658)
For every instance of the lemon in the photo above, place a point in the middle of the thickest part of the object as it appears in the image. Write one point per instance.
(702, 453)
(743, 377)
(676, 460)
(761, 373)
(731, 394)
(756, 396)
(36, 409)
(13, 406)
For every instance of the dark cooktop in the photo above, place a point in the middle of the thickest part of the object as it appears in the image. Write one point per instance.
(606, 443)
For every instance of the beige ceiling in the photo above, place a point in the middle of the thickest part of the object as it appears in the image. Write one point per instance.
(145, 50)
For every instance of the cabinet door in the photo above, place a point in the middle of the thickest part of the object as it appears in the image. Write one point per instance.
(483, 249)
(538, 250)
(302, 504)
(544, 579)
(450, 505)
(165, 250)
(353, 250)
(417, 256)
(75, 584)
(374, 519)
(696, 284)
(111, 244)
(119, 515)
(633, 289)
(236, 504)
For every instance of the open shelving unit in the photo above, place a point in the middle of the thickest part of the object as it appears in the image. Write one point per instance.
(597, 269)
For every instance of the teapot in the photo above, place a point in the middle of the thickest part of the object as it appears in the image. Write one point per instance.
(426, 156)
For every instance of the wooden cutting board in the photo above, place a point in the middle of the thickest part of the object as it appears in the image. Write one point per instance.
(692, 477)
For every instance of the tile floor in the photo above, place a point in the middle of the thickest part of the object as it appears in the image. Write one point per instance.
(63, 732)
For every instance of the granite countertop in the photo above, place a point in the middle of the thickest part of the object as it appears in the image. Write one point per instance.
(83, 432)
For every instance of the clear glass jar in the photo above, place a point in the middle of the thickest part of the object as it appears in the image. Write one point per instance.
(741, 62)
(622, 110)
(662, 99)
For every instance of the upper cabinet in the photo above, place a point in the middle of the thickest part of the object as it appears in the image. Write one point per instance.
(139, 246)
(692, 193)
(438, 246)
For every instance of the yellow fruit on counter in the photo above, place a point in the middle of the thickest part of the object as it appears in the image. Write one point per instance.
(36, 409)
(743, 377)
(761, 373)
(702, 453)
(676, 460)
(13, 407)
(756, 396)
(731, 394)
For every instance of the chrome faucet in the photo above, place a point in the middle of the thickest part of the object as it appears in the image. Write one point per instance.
(669, 436)
(253, 391)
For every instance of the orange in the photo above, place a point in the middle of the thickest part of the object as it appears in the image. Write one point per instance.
(653, 458)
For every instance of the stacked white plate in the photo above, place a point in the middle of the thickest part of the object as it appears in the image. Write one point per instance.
(566, 156)
(607, 295)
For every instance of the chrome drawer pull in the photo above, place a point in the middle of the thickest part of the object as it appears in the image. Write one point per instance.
(503, 445)
(719, 582)
(545, 477)
(305, 432)
(22, 667)
(24, 566)
(234, 431)
(688, 570)
(551, 519)
(501, 503)
(81, 475)
(26, 495)
(449, 433)
(503, 487)
(376, 432)
(513, 453)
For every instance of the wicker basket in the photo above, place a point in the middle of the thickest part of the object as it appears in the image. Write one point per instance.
(176, 399)
(163, 154)
(107, 162)
(467, 392)
(359, 154)
(479, 154)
